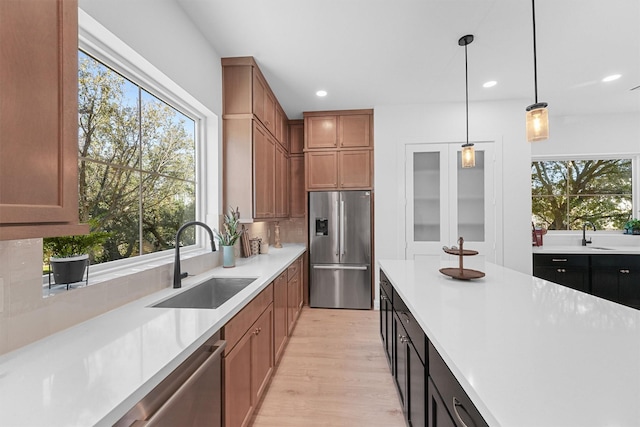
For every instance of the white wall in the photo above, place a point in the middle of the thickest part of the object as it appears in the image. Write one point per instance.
(502, 122)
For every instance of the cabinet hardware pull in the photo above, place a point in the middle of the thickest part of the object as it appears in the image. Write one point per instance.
(407, 317)
(559, 260)
(457, 403)
(561, 270)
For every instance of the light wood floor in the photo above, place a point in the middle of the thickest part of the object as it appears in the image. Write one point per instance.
(333, 373)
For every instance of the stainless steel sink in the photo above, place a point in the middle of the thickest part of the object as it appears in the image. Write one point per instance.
(210, 294)
(600, 248)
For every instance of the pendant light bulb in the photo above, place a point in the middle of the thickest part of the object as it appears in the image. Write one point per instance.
(468, 156)
(537, 117)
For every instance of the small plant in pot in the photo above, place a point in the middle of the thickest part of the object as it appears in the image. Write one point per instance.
(228, 236)
(69, 255)
(632, 226)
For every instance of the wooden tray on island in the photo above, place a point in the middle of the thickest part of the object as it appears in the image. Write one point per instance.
(461, 273)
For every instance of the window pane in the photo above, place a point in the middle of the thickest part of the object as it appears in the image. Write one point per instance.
(108, 114)
(168, 139)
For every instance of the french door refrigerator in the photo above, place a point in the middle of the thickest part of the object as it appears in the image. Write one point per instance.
(340, 249)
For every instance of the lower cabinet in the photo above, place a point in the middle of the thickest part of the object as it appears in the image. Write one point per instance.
(294, 298)
(571, 271)
(437, 410)
(280, 318)
(386, 319)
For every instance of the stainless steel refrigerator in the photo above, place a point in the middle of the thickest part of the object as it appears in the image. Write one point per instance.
(340, 249)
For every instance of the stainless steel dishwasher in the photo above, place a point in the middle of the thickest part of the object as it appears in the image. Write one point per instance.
(190, 396)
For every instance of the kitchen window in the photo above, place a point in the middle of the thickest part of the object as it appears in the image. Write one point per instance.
(567, 193)
(137, 170)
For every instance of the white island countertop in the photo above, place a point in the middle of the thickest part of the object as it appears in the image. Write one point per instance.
(93, 373)
(528, 352)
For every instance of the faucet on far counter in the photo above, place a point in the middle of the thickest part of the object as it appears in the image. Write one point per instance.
(584, 232)
(177, 276)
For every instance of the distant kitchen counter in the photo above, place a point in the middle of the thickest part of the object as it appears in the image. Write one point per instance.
(93, 373)
(528, 352)
(587, 250)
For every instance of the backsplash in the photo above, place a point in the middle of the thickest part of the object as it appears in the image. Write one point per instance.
(25, 316)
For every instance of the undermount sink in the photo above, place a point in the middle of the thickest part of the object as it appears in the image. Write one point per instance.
(600, 248)
(209, 294)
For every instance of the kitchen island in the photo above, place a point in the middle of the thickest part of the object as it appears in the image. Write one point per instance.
(93, 373)
(526, 351)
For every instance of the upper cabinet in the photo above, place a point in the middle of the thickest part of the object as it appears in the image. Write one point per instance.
(255, 144)
(338, 149)
(39, 119)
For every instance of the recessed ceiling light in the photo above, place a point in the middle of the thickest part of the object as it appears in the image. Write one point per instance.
(491, 83)
(612, 78)
(321, 93)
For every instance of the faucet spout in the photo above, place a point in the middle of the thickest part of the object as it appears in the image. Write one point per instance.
(177, 275)
(584, 233)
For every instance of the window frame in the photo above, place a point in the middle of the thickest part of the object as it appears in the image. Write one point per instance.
(635, 179)
(97, 41)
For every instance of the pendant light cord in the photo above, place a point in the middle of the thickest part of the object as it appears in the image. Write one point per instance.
(535, 60)
(466, 85)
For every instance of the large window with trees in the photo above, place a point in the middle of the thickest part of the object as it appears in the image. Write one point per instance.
(137, 163)
(566, 193)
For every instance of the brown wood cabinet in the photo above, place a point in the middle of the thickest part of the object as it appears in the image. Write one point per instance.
(338, 150)
(39, 119)
(280, 323)
(248, 359)
(294, 294)
(255, 143)
(282, 182)
(297, 205)
(296, 137)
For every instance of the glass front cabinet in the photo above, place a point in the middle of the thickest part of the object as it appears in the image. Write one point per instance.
(445, 201)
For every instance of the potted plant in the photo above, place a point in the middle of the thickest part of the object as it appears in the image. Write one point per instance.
(69, 255)
(632, 226)
(229, 236)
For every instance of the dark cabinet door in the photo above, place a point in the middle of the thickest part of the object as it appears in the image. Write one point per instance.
(629, 286)
(604, 283)
(417, 389)
(569, 270)
(438, 415)
(617, 278)
(386, 326)
(400, 358)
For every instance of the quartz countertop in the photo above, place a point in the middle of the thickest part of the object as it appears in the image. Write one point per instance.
(93, 373)
(591, 249)
(528, 352)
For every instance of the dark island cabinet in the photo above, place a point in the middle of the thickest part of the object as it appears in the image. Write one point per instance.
(437, 409)
(617, 278)
(571, 271)
(386, 319)
(409, 357)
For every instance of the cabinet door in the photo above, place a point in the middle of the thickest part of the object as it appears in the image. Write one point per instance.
(354, 169)
(39, 119)
(282, 183)
(292, 309)
(238, 400)
(281, 128)
(259, 93)
(629, 285)
(263, 173)
(354, 130)
(386, 326)
(445, 201)
(321, 132)
(400, 359)
(296, 137)
(604, 283)
(437, 410)
(297, 192)
(280, 323)
(269, 112)
(321, 169)
(417, 390)
(261, 354)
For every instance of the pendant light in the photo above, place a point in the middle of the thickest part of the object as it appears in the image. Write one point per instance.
(537, 114)
(468, 152)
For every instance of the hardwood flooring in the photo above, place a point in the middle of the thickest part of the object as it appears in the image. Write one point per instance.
(333, 373)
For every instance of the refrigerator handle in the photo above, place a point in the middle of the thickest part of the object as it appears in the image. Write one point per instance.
(338, 243)
(341, 227)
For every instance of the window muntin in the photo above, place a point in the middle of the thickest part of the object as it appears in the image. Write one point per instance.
(566, 193)
(137, 159)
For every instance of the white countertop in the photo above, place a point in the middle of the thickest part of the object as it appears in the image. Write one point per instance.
(93, 373)
(587, 250)
(528, 352)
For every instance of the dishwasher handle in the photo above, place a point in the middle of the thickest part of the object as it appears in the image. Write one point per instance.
(214, 357)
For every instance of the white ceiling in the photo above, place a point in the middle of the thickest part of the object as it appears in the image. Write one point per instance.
(367, 53)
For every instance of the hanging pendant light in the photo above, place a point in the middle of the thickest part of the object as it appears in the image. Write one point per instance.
(468, 152)
(537, 113)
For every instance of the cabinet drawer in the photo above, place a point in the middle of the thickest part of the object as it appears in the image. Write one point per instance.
(411, 326)
(629, 262)
(293, 269)
(241, 322)
(561, 259)
(385, 284)
(455, 399)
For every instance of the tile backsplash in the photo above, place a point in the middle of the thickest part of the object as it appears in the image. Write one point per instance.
(25, 316)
